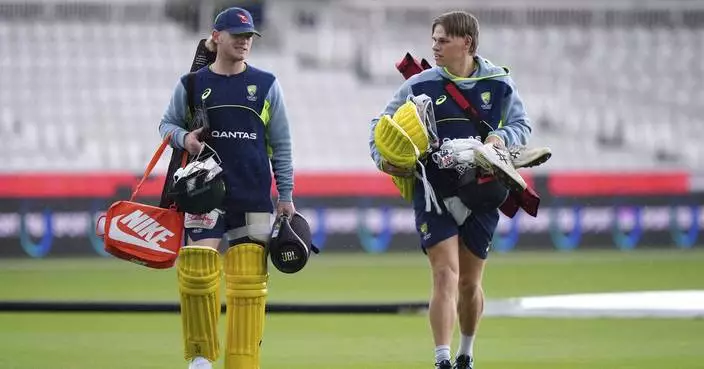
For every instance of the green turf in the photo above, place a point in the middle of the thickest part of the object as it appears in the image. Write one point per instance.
(365, 277)
(89, 341)
(107, 341)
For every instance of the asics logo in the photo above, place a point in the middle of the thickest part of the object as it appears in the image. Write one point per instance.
(149, 233)
(501, 155)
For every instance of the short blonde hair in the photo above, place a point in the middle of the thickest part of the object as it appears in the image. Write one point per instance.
(460, 24)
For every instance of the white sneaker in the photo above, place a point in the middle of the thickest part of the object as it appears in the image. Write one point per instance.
(526, 157)
(200, 363)
(497, 161)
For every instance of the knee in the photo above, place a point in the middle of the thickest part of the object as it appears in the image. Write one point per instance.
(470, 286)
(445, 279)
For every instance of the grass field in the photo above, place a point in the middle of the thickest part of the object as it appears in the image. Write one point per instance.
(106, 341)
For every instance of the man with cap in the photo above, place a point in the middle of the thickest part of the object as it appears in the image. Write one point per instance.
(249, 130)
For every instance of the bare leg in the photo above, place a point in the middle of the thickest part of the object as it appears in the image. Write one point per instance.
(444, 263)
(471, 296)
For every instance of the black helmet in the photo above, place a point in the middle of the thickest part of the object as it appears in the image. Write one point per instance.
(481, 193)
(199, 187)
(290, 243)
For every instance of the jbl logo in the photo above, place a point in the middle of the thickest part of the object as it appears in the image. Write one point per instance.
(289, 256)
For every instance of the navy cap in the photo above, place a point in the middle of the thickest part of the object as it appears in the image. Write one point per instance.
(235, 21)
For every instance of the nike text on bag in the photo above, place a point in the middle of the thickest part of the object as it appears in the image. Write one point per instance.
(143, 234)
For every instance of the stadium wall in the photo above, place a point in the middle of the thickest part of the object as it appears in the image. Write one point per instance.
(43, 216)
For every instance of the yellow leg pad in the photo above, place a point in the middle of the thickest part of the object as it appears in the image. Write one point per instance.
(199, 271)
(246, 281)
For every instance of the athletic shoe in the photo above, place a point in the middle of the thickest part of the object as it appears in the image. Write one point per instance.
(497, 161)
(527, 157)
(464, 362)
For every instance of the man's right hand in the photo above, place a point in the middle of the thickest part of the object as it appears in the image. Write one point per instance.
(191, 142)
(395, 171)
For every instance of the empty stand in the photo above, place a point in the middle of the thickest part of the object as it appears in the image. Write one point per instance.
(85, 96)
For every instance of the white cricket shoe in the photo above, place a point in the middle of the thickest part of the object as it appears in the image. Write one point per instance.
(497, 161)
(200, 363)
(526, 157)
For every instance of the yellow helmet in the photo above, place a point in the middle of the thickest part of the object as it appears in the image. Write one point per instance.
(403, 139)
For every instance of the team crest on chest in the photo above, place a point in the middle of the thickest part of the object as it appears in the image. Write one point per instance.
(486, 100)
(252, 92)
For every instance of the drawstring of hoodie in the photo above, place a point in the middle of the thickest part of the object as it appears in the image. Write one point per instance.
(430, 196)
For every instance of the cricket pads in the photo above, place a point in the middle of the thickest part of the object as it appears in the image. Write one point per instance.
(403, 138)
(246, 290)
(199, 273)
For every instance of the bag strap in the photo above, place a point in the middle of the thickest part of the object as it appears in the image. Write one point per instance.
(199, 116)
(190, 87)
(469, 110)
(202, 58)
(151, 165)
(179, 157)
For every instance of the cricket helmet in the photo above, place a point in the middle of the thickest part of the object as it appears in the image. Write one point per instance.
(199, 187)
(480, 192)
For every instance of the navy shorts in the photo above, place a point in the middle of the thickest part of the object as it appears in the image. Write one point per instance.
(476, 232)
(232, 225)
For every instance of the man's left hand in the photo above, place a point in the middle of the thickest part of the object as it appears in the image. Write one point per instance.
(496, 140)
(285, 207)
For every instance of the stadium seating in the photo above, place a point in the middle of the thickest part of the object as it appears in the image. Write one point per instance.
(82, 96)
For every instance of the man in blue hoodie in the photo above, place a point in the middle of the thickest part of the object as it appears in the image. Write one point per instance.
(249, 130)
(457, 245)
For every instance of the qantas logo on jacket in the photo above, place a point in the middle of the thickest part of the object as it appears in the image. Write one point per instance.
(234, 134)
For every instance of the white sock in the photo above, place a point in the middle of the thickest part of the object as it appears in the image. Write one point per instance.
(442, 352)
(466, 345)
(199, 362)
